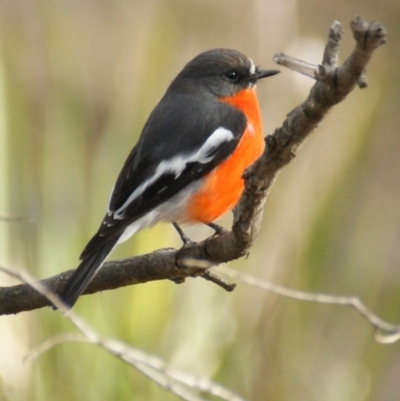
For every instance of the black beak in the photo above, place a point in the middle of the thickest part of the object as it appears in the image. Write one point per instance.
(263, 74)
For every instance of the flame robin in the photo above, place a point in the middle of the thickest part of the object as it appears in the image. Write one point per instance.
(188, 164)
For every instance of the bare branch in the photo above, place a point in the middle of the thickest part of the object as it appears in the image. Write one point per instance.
(208, 275)
(300, 66)
(333, 85)
(385, 332)
(177, 382)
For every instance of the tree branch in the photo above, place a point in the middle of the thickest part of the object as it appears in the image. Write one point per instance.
(182, 384)
(333, 85)
(385, 332)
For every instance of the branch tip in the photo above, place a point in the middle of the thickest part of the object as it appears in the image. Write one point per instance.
(368, 35)
(331, 51)
(300, 66)
(363, 80)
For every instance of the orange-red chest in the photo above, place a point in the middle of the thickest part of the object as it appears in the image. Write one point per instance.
(223, 187)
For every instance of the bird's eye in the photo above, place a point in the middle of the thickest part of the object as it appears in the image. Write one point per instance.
(232, 75)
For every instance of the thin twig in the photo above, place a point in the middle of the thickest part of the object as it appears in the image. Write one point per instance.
(177, 382)
(300, 66)
(210, 276)
(386, 332)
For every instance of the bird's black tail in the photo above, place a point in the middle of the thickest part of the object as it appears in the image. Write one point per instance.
(85, 272)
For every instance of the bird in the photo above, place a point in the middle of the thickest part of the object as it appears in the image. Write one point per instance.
(187, 166)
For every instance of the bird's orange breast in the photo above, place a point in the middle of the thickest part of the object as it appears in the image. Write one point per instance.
(223, 187)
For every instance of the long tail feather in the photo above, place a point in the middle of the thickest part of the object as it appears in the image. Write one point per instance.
(85, 272)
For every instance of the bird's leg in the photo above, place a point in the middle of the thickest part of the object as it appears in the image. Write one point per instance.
(207, 275)
(218, 229)
(185, 239)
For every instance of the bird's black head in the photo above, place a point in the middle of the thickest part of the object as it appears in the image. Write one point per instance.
(223, 72)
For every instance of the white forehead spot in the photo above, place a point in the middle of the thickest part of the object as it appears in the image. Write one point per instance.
(252, 67)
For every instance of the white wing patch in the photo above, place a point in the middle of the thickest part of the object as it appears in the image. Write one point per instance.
(178, 163)
(219, 136)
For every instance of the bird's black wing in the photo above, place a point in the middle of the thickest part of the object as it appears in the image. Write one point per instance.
(184, 138)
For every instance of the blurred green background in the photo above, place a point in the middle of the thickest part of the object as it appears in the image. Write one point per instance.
(78, 80)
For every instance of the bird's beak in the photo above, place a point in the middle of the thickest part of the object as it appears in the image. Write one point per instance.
(263, 74)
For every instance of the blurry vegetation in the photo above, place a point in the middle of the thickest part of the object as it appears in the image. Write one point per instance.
(77, 82)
